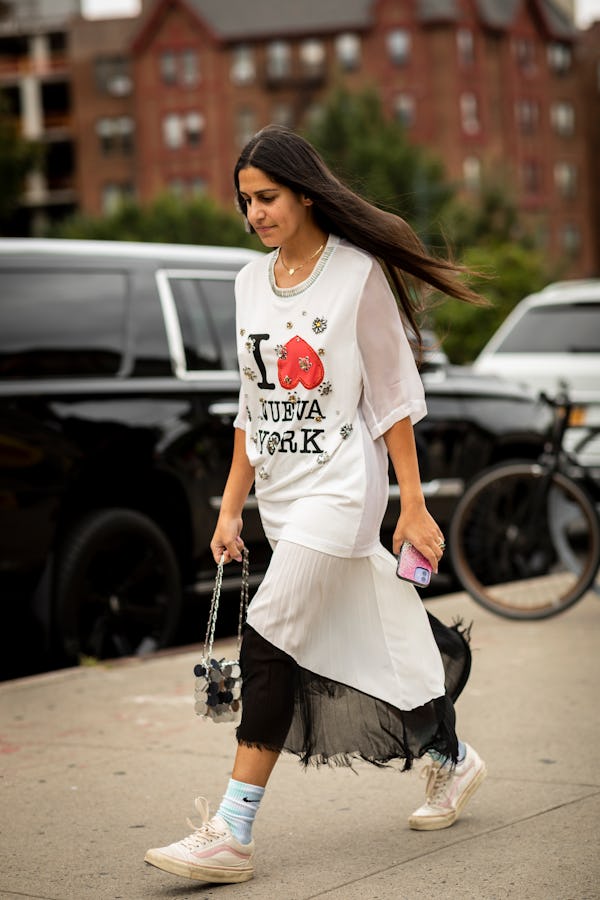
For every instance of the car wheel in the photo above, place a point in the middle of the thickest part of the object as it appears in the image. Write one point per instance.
(118, 587)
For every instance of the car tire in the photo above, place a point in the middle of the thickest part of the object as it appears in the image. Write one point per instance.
(118, 587)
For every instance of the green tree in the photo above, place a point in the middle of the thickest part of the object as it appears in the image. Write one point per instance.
(17, 158)
(491, 240)
(504, 273)
(373, 156)
(490, 219)
(167, 219)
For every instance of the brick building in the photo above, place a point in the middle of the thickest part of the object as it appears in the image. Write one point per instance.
(35, 83)
(588, 54)
(103, 112)
(164, 102)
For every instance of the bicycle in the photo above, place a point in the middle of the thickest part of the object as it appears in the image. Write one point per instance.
(525, 536)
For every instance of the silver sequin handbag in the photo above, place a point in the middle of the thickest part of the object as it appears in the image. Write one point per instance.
(218, 690)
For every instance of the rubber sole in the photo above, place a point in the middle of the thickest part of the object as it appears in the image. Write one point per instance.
(199, 873)
(436, 823)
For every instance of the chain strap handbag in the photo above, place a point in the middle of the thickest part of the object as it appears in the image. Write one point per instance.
(219, 681)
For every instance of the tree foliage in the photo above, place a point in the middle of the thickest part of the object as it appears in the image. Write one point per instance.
(503, 273)
(167, 219)
(505, 262)
(373, 156)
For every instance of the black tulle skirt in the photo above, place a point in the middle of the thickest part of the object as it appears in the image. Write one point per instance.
(286, 707)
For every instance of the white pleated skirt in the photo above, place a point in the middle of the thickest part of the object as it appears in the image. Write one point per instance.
(350, 620)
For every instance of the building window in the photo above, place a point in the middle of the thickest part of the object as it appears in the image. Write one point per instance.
(531, 174)
(113, 76)
(245, 126)
(469, 113)
(312, 56)
(527, 113)
(398, 44)
(562, 117)
(168, 67)
(524, 50)
(314, 115)
(559, 58)
(465, 46)
(113, 195)
(115, 135)
(279, 59)
(180, 130)
(173, 131)
(565, 179)
(181, 68)
(198, 187)
(182, 187)
(189, 68)
(194, 127)
(176, 187)
(404, 110)
(283, 114)
(347, 49)
(472, 173)
(570, 239)
(243, 66)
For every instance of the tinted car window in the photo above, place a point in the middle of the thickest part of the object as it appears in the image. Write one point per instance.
(56, 324)
(206, 312)
(197, 331)
(560, 328)
(221, 302)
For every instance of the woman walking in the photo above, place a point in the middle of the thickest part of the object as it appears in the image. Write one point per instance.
(339, 658)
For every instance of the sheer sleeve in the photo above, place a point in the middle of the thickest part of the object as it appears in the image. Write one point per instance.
(392, 386)
(241, 420)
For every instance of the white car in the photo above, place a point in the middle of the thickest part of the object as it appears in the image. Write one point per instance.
(550, 340)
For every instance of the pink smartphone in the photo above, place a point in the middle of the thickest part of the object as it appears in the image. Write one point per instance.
(412, 566)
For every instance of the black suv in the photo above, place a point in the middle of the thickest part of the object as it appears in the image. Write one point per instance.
(118, 388)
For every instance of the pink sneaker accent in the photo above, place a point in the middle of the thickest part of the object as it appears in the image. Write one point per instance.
(448, 789)
(210, 853)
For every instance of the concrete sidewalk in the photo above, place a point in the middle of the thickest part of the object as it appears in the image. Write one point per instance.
(101, 763)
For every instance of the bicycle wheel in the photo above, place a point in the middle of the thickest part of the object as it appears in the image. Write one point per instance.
(525, 543)
(586, 450)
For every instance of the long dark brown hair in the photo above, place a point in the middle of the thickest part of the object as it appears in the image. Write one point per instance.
(290, 160)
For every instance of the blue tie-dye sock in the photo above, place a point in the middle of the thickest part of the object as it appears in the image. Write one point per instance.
(239, 807)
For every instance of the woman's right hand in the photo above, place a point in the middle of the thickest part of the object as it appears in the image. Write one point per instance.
(227, 539)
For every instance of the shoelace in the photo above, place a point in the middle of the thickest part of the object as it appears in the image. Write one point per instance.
(206, 832)
(437, 781)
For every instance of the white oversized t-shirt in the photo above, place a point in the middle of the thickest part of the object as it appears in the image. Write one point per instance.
(326, 370)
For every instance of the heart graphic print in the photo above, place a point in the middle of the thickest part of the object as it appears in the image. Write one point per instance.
(299, 364)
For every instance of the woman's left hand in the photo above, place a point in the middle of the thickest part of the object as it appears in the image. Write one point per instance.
(423, 532)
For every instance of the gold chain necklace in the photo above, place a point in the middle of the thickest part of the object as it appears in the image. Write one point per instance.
(294, 269)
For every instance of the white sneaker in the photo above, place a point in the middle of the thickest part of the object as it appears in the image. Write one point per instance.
(210, 853)
(448, 789)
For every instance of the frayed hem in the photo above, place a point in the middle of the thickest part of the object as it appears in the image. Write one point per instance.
(345, 761)
(335, 761)
(463, 630)
(259, 745)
